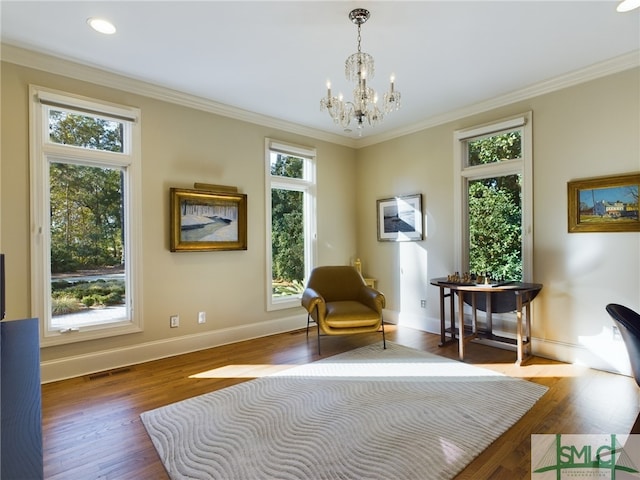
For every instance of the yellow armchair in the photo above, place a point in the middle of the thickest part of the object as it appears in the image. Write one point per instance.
(340, 303)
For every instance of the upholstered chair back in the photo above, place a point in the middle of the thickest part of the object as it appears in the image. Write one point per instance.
(336, 283)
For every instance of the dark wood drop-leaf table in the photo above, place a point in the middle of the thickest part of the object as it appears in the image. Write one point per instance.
(490, 298)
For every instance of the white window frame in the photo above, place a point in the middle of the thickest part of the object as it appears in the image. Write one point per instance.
(42, 153)
(463, 174)
(306, 185)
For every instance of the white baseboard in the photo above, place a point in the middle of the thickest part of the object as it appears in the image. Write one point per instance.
(618, 362)
(69, 367)
(614, 361)
(418, 322)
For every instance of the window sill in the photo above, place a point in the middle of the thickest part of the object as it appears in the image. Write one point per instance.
(284, 303)
(84, 334)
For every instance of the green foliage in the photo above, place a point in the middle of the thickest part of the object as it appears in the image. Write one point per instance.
(83, 131)
(64, 304)
(86, 201)
(282, 289)
(88, 301)
(286, 166)
(112, 298)
(494, 231)
(89, 293)
(287, 234)
(495, 211)
(495, 148)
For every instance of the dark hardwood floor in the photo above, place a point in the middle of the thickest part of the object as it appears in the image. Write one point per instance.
(92, 428)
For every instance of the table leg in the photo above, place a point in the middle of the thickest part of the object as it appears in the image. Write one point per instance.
(443, 321)
(442, 335)
(489, 314)
(461, 325)
(452, 314)
(528, 328)
(474, 315)
(519, 328)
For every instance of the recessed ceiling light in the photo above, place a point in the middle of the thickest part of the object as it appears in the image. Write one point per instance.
(628, 5)
(101, 25)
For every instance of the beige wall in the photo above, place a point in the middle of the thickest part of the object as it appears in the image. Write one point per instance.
(180, 146)
(588, 130)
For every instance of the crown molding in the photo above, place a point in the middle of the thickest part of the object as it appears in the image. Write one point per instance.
(93, 74)
(65, 67)
(608, 67)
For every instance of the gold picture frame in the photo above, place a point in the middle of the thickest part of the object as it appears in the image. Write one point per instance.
(604, 204)
(204, 220)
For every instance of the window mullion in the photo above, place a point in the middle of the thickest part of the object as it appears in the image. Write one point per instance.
(507, 167)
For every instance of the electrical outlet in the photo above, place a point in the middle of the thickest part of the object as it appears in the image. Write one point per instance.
(423, 304)
(202, 317)
(174, 321)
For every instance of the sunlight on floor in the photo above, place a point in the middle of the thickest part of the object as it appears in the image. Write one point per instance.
(446, 368)
(436, 369)
(242, 371)
(534, 370)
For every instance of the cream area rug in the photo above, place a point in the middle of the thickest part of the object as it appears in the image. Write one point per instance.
(367, 414)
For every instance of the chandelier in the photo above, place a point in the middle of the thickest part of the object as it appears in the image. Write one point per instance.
(359, 68)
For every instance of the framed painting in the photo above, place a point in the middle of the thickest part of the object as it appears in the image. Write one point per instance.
(400, 218)
(203, 220)
(604, 204)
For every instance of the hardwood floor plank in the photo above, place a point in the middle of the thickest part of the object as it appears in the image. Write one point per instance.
(92, 427)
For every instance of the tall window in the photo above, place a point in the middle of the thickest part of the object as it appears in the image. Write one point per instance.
(494, 199)
(291, 222)
(85, 211)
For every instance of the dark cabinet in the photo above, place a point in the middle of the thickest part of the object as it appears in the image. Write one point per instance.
(20, 401)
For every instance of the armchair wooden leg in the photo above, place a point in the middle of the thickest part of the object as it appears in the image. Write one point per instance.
(308, 321)
(318, 338)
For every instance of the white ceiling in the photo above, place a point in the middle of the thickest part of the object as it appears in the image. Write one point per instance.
(274, 58)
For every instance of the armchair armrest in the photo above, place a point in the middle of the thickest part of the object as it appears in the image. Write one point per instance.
(372, 298)
(311, 298)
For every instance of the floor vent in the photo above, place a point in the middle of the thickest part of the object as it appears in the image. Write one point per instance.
(108, 373)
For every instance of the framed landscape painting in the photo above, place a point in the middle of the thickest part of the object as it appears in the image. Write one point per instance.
(604, 204)
(400, 218)
(203, 220)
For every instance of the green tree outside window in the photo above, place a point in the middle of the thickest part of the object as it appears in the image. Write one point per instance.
(287, 229)
(495, 210)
